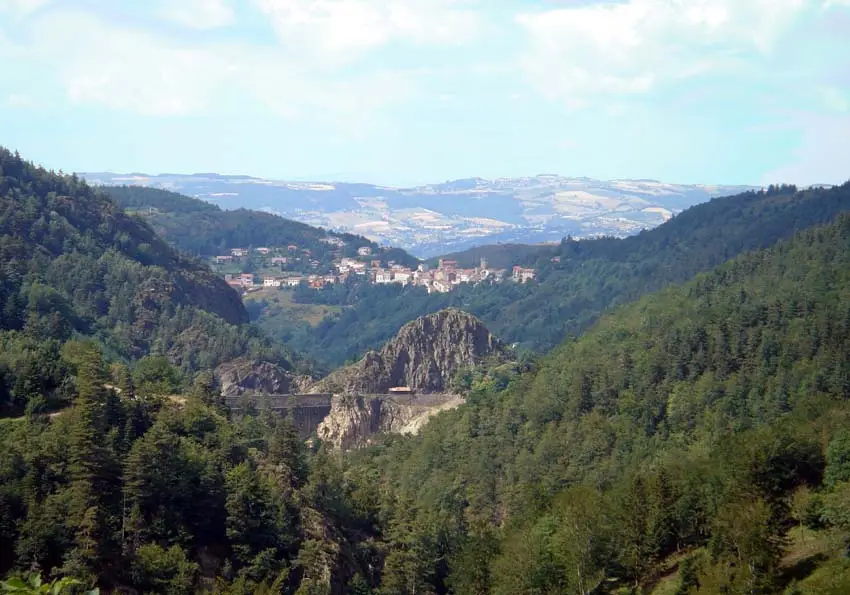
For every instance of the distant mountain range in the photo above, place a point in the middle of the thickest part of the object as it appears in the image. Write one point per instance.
(452, 216)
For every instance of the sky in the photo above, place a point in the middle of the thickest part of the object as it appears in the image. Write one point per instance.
(412, 91)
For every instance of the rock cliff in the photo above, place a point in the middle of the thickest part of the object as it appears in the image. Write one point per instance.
(241, 376)
(355, 421)
(425, 355)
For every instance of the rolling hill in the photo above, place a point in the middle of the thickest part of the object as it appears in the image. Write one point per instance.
(452, 216)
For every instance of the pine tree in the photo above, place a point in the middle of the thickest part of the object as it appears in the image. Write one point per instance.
(93, 470)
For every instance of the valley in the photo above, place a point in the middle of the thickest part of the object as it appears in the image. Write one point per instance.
(665, 412)
(509, 298)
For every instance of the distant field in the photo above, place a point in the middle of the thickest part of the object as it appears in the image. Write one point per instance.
(281, 305)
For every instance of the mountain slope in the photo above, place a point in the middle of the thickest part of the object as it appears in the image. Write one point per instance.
(202, 228)
(75, 265)
(687, 420)
(425, 355)
(592, 275)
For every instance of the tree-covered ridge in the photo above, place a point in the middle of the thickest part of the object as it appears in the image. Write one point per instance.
(141, 198)
(590, 277)
(689, 421)
(74, 264)
(201, 228)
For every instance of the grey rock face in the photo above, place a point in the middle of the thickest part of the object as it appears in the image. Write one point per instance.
(241, 376)
(425, 355)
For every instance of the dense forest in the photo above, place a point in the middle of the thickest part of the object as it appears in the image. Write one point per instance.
(74, 265)
(203, 229)
(591, 277)
(695, 441)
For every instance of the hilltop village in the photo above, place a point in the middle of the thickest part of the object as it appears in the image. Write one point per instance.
(249, 269)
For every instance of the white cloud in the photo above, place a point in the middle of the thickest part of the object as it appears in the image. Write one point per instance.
(821, 155)
(834, 99)
(132, 70)
(21, 8)
(18, 101)
(581, 53)
(339, 31)
(197, 14)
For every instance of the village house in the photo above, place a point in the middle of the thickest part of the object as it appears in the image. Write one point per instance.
(441, 286)
(402, 277)
(223, 259)
(293, 281)
(247, 279)
(279, 260)
(333, 242)
(521, 275)
(447, 265)
(292, 248)
(264, 251)
(364, 251)
(383, 276)
(239, 252)
(272, 282)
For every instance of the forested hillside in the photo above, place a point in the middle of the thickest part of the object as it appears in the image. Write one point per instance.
(201, 228)
(591, 277)
(707, 420)
(75, 265)
(695, 441)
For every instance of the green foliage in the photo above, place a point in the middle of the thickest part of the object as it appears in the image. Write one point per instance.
(838, 459)
(154, 375)
(161, 570)
(34, 585)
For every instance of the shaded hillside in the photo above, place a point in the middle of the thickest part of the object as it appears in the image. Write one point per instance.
(75, 265)
(425, 355)
(692, 419)
(591, 277)
(199, 227)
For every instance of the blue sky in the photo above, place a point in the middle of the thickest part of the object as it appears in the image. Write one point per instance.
(410, 91)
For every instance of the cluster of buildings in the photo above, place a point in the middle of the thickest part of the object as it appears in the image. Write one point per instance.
(442, 279)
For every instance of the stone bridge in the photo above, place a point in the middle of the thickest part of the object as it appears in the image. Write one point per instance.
(309, 410)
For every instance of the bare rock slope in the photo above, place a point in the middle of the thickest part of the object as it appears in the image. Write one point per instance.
(241, 376)
(425, 355)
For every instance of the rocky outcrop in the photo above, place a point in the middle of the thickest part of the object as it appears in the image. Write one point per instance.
(425, 355)
(241, 376)
(355, 421)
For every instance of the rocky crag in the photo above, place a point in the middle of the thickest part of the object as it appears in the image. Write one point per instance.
(243, 376)
(356, 420)
(425, 355)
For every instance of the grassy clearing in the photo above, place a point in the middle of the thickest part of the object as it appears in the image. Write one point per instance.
(280, 303)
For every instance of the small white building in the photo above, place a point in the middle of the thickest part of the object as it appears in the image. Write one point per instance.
(364, 251)
(272, 282)
(383, 276)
